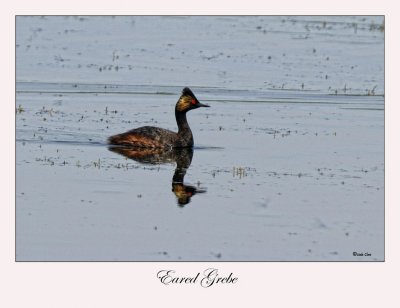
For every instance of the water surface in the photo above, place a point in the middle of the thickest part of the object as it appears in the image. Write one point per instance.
(288, 162)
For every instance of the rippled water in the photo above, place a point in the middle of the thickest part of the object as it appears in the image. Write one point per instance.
(288, 162)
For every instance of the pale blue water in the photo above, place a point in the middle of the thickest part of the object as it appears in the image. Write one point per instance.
(288, 162)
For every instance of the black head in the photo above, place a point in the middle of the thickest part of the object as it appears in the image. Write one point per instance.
(188, 101)
(187, 91)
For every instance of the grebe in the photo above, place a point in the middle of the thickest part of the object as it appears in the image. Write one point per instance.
(155, 137)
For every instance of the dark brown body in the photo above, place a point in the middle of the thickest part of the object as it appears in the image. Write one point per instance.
(155, 137)
(147, 137)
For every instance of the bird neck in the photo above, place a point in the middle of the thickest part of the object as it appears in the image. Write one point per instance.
(185, 134)
(183, 125)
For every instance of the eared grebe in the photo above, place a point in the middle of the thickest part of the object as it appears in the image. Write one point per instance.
(155, 137)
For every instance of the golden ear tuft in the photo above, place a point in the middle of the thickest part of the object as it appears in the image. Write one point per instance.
(183, 104)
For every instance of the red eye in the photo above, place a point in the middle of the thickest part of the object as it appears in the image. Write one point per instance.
(193, 102)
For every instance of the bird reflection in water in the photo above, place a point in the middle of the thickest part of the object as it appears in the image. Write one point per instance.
(181, 156)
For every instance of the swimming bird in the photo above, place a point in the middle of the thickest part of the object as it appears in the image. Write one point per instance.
(155, 137)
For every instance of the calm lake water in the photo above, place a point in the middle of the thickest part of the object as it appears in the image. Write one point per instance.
(288, 163)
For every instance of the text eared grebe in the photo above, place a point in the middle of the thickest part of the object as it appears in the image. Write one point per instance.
(155, 137)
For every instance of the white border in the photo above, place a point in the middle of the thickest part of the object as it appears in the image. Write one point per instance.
(260, 284)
